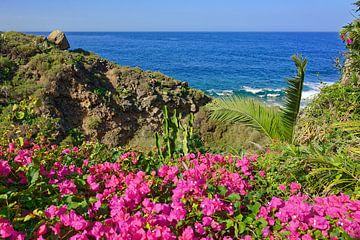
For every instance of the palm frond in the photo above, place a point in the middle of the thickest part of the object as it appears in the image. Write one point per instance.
(293, 94)
(247, 111)
(351, 126)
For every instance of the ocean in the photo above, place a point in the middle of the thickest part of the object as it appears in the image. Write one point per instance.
(222, 63)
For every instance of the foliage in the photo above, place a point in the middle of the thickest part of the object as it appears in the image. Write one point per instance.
(320, 171)
(337, 103)
(176, 138)
(332, 174)
(274, 123)
(75, 137)
(250, 112)
(293, 93)
(21, 121)
(78, 193)
(350, 35)
(353, 128)
(6, 68)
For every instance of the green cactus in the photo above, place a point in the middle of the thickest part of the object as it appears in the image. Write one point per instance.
(175, 135)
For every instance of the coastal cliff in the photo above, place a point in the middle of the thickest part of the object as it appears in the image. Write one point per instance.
(76, 91)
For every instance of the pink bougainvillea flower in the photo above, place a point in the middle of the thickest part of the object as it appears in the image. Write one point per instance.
(319, 222)
(56, 228)
(6, 229)
(18, 236)
(66, 151)
(86, 162)
(246, 237)
(266, 232)
(23, 157)
(4, 168)
(23, 178)
(349, 41)
(262, 173)
(294, 187)
(188, 234)
(199, 228)
(67, 187)
(51, 212)
(282, 187)
(11, 148)
(42, 230)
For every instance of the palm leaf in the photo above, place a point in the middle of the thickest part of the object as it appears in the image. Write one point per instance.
(293, 94)
(247, 111)
(351, 126)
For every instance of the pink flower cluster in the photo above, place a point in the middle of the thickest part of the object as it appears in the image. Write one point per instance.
(302, 217)
(190, 199)
(7, 231)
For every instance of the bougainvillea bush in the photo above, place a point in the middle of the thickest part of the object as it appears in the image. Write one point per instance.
(51, 193)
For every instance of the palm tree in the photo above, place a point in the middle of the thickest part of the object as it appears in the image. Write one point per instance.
(275, 123)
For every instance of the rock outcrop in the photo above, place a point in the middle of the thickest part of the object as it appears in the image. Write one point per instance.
(105, 101)
(59, 39)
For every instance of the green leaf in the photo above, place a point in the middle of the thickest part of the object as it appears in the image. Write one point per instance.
(236, 230)
(29, 217)
(293, 94)
(222, 190)
(3, 196)
(234, 197)
(20, 115)
(239, 217)
(33, 174)
(229, 223)
(248, 220)
(242, 227)
(263, 223)
(255, 208)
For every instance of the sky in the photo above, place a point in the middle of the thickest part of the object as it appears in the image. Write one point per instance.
(175, 15)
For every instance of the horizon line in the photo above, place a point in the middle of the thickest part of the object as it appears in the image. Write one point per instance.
(173, 31)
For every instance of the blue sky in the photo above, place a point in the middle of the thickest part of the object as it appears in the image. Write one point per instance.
(175, 15)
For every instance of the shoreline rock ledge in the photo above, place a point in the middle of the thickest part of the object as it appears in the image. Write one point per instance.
(59, 39)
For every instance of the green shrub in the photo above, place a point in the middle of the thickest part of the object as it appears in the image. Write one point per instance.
(93, 122)
(7, 68)
(336, 103)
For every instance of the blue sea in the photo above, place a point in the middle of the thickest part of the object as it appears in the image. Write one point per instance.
(222, 63)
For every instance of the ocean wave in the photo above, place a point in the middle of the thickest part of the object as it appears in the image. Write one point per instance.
(273, 95)
(219, 92)
(260, 90)
(252, 90)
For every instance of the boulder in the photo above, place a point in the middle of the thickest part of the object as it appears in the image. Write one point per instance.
(58, 38)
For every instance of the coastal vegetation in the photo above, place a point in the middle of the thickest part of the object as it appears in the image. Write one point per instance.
(93, 150)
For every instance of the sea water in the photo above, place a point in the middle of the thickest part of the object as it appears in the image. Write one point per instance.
(223, 63)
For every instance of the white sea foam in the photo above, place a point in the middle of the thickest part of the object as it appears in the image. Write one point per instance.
(274, 89)
(308, 95)
(273, 95)
(219, 92)
(260, 90)
(252, 90)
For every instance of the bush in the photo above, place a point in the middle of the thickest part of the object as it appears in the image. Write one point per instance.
(336, 103)
(7, 68)
(69, 193)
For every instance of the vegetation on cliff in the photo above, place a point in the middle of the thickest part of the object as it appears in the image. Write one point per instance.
(79, 90)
